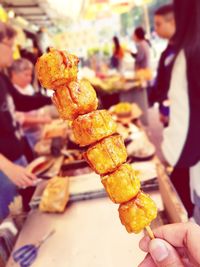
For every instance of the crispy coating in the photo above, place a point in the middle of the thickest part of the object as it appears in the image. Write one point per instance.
(121, 185)
(56, 68)
(137, 213)
(107, 155)
(75, 99)
(92, 127)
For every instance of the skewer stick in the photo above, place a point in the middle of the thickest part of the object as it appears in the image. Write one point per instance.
(150, 232)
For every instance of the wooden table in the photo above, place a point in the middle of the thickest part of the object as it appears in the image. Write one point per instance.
(88, 234)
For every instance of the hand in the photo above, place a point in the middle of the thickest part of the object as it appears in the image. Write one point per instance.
(175, 245)
(19, 175)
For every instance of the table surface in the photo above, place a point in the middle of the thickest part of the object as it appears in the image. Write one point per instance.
(88, 234)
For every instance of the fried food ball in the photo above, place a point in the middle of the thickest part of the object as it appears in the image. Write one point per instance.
(106, 155)
(121, 185)
(137, 213)
(75, 99)
(56, 68)
(92, 127)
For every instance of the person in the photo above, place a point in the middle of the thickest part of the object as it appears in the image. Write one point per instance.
(13, 174)
(118, 54)
(175, 245)
(20, 73)
(142, 57)
(164, 23)
(181, 143)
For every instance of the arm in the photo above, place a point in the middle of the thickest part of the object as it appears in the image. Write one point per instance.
(35, 120)
(17, 174)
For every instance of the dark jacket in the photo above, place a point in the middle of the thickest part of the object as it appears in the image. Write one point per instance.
(162, 83)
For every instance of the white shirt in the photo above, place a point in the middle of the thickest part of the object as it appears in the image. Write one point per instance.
(176, 133)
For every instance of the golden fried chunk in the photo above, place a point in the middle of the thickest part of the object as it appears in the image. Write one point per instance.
(76, 99)
(121, 185)
(107, 155)
(138, 213)
(56, 68)
(56, 195)
(92, 127)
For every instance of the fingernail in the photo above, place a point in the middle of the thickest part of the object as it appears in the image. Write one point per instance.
(158, 250)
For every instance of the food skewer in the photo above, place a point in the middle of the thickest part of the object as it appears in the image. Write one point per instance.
(106, 154)
(150, 232)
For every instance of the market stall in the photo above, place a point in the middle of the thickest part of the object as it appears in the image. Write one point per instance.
(89, 230)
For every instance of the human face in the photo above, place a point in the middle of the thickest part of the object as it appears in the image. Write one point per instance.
(164, 26)
(6, 49)
(22, 78)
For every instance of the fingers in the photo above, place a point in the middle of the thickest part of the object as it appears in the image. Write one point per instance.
(164, 254)
(25, 178)
(148, 261)
(30, 175)
(144, 243)
(176, 234)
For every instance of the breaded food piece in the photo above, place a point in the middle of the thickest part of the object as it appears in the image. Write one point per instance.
(106, 155)
(56, 68)
(55, 195)
(92, 127)
(121, 185)
(75, 99)
(137, 213)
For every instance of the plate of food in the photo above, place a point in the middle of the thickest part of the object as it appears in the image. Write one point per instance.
(73, 159)
(125, 111)
(40, 165)
(141, 148)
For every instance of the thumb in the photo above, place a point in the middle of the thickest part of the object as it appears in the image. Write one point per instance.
(164, 254)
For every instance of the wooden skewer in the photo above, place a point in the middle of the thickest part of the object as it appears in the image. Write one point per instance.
(150, 232)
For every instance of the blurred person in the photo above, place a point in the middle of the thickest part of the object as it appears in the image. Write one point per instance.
(142, 57)
(165, 28)
(175, 245)
(21, 73)
(118, 54)
(181, 143)
(13, 174)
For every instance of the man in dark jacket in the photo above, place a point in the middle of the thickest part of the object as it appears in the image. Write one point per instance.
(165, 27)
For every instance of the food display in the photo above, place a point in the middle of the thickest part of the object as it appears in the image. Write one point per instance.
(55, 195)
(141, 147)
(125, 112)
(123, 109)
(106, 155)
(92, 127)
(57, 128)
